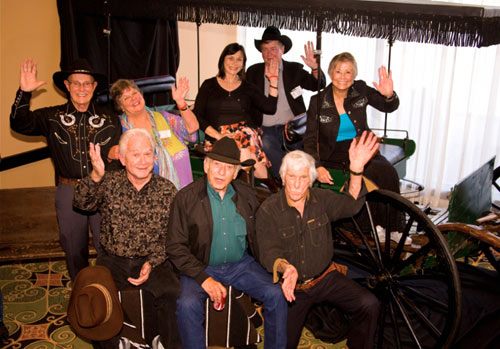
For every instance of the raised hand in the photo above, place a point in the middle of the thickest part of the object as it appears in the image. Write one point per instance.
(143, 275)
(272, 69)
(97, 163)
(362, 149)
(27, 79)
(179, 93)
(385, 85)
(309, 58)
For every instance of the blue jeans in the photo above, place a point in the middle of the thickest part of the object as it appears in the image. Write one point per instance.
(247, 276)
(272, 139)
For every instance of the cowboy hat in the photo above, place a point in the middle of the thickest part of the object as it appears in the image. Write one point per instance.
(80, 66)
(226, 150)
(273, 33)
(94, 309)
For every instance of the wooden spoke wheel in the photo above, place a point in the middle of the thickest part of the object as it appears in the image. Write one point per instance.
(416, 282)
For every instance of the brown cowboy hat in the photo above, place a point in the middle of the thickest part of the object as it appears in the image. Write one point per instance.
(273, 33)
(94, 309)
(80, 66)
(226, 150)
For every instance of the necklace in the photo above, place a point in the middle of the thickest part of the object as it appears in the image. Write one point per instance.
(229, 84)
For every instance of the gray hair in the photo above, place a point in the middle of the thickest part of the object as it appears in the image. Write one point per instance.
(297, 160)
(134, 132)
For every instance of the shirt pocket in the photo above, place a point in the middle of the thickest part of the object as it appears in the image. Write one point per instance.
(319, 231)
(288, 238)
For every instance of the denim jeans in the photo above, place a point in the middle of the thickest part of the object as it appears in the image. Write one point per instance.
(246, 275)
(272, 139)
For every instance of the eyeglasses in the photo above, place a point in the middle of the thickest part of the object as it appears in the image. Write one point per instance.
(78, 84)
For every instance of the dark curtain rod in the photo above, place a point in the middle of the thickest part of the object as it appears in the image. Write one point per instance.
(419, 21)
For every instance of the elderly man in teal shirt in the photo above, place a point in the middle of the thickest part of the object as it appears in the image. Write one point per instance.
(211, 231)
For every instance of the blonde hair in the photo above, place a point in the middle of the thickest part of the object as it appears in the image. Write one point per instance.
(340, 58)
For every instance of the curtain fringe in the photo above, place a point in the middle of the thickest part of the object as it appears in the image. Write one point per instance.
(434, 29)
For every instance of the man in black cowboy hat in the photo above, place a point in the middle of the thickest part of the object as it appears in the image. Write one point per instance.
(292, 78)
(69, 128)
(211, 227)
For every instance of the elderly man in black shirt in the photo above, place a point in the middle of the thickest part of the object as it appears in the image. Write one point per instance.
(69, 128)
(135, 208)
(295, 239)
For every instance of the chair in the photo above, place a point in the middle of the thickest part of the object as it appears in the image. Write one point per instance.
(468, 225)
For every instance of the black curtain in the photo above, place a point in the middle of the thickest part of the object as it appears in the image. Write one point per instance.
(138, 46)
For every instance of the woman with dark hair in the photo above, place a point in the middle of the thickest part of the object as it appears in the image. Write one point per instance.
(228, 105)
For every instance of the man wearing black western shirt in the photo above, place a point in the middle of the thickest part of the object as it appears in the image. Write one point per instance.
(69, 128)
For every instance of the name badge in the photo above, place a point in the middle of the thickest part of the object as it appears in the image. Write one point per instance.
(165, 134)
(296, 92)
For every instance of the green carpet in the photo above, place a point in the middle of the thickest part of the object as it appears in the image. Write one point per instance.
(35, 297)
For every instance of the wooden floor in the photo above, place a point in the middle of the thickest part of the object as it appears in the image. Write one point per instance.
(28, 225)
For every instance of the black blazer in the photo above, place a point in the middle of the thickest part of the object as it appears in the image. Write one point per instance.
(293, 75)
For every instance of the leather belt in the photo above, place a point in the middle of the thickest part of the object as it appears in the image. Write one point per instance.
(313, 281)
(69, 181)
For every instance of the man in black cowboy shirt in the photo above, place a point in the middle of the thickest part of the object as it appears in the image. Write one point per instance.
(69, 128)
(292, 78)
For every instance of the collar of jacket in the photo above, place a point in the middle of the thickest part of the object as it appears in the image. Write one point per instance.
(327, 93)
(310, 199)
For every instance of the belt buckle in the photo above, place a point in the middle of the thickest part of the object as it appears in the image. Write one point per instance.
(308, 281)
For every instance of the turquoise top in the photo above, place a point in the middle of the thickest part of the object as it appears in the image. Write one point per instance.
(230, 230)
(346, 129)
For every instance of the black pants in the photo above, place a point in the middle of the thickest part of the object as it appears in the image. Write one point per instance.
(163, 284)
(345, 294)
(74, 230)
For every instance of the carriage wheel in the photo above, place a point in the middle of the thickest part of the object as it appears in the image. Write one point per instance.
(417, 284)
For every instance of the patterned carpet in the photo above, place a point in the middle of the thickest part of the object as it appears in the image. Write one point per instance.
(35, 297)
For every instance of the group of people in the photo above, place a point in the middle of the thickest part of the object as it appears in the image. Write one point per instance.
(128, 178)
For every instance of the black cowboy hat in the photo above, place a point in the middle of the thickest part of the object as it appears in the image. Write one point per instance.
(94, 309)
(226, 150)
(80, 66)
(273, 33)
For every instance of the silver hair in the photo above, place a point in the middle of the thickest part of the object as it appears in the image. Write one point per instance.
(134, 132)
(297, 160)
